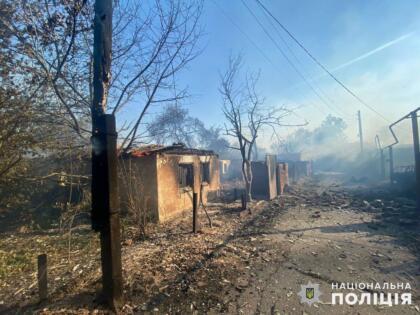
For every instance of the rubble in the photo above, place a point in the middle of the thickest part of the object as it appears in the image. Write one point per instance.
(320, 232)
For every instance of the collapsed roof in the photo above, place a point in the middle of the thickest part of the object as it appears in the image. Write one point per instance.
(176, 149)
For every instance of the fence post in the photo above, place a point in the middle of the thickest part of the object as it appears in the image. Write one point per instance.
(415, 127)
(42, 277)
(195, 218)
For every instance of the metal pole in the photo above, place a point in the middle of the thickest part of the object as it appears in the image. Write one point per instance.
(391, 165)
(416, 154)
(105, 207)
(359, 116)
(195, 217)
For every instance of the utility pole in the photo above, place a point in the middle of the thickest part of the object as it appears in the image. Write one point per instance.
(105, 207)
(382, 157)
(359, 117)
(415, 127)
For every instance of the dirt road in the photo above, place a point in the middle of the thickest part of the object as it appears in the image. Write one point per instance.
(255, 261)
(325, 235)
(316, 233)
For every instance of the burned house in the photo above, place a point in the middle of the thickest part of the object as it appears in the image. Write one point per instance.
(264, 182)
(231, 169)
(161, 180)
(289, 156)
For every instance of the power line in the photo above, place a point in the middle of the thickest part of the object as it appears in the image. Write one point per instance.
(290, 62)
(261, 51)
(245, 35)
(256, 46)
(321, 91)
(320, 64)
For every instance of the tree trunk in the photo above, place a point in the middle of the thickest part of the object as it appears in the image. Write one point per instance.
(247, 173)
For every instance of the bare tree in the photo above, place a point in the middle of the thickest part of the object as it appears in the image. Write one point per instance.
(175, 124)
(16, 135)
(135, 200)
(246, 114)
(152, 42)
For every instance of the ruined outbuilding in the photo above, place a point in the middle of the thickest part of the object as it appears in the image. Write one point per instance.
(297, 168)
(264, 182)
(161, 180)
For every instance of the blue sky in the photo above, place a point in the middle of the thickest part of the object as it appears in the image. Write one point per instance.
(377, 43)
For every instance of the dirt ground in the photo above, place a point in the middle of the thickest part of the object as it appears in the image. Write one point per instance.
(250, 262)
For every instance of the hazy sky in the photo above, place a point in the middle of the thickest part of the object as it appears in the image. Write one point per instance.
(373, 46)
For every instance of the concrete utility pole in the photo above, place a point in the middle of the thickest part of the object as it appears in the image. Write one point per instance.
(415, 127)
(105, 208)
(382, 156)
(359, 117)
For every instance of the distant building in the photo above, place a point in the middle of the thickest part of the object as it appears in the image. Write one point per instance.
(289, 157)
(162, 179)
(296, 167)
(231, 169)
(300, 169)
